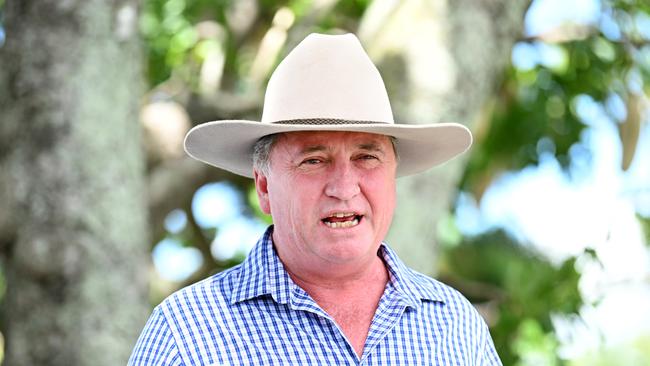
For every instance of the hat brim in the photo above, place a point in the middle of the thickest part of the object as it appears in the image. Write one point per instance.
(228, 144)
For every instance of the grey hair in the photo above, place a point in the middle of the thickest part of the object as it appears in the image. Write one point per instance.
(262, 153)
(263, 146)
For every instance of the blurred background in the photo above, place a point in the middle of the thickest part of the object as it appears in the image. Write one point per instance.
(544, 225)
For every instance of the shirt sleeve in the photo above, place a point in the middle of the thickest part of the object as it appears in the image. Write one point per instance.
(156, 345)
(489, 355)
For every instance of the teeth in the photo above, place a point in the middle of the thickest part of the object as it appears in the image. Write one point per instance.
(344, 224)
(341, 214)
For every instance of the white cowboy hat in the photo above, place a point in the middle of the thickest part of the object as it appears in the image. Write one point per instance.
(327, 83)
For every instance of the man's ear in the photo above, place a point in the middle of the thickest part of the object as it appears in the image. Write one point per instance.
(261, 188)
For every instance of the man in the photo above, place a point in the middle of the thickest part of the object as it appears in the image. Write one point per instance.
(320, 287)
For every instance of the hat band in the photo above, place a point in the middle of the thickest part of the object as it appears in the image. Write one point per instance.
(325, 121)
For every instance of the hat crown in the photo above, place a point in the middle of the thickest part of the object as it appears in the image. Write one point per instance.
(327, 77)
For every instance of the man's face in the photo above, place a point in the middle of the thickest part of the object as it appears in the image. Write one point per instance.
(331, 195)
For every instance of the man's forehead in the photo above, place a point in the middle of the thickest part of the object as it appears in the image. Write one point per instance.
(311, 140)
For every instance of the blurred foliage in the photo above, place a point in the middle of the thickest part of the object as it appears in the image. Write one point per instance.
(636, 352)
(534, 344)
(519, 288)
(535, 110)
(171, 38)
(179, 34)
(645, 225)
(535, 113)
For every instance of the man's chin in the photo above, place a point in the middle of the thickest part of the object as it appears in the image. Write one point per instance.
(341, 247)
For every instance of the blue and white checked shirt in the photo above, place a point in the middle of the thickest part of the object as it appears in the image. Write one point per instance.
(253, 314)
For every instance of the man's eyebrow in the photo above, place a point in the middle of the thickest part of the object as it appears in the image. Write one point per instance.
(313, 148)
(371, 146)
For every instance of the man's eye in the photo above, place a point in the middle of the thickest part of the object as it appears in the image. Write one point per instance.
(367, 157)
(311, 161)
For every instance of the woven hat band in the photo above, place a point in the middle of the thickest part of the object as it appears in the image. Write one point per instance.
(325, 121)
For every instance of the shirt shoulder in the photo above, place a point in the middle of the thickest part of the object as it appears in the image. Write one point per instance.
(447, 294)
(455, 303)
(193, 318)
(420, 287)
(463, 320)
(210, 292)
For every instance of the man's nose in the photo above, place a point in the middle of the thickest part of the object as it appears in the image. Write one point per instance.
(343, 182)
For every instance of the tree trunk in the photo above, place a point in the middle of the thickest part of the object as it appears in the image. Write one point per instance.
(441, 60)
(73, 222)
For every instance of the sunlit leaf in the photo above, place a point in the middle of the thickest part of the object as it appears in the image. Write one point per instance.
(630, 128)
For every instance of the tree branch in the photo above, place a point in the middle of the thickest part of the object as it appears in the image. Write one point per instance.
(172, 185)
(223, 106)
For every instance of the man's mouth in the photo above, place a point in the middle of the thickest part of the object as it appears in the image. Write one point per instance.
(342, 220)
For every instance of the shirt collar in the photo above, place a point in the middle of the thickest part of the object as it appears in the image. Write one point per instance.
(412, 287)
(262, 273)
